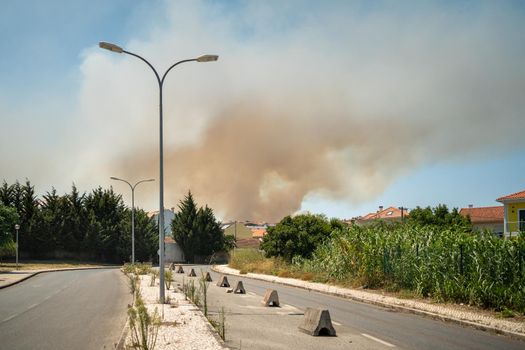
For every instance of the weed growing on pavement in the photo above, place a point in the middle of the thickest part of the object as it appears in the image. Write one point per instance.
(134, 286)
(204, 290)
(153, 274)
(143, 268)
(143, 326)
(168, 278)
(220, 324)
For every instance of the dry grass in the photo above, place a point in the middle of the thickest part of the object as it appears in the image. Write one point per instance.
(45, 265)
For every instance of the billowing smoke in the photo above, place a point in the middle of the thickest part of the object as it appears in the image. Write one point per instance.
(337, 102)
(254, 163)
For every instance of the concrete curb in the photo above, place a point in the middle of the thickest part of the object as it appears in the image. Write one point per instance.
(446, 318)
(123, 335)
(57, 270)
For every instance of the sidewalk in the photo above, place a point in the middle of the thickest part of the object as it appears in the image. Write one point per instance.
(10, 278)
(443, 312)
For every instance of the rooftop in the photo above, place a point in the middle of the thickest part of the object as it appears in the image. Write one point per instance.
(483, 214)
(517, 195)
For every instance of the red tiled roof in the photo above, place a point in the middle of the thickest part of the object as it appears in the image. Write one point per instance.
(483, 214)
(169, 239)
(517, 195)
(388, 213)
(258, 232)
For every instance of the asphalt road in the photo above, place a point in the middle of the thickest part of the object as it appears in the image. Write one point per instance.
(358, 325)
(83, 309)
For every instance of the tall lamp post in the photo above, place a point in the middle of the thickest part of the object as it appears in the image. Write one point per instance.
(132, 212)
(17, 227)
(204, 58)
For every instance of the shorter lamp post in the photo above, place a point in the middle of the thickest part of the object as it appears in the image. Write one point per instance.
(17, 227)
(132, 212)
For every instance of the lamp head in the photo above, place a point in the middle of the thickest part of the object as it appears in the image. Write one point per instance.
(110, 47)
(208, 58)
(17, 227)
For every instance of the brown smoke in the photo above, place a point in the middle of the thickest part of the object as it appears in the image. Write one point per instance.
(256, 163)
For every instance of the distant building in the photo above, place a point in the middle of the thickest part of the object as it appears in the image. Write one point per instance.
(388, 214)
(169, 215)
(485, 218)
(173, 252)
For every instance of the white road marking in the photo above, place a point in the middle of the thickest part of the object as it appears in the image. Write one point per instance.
(9, 318)
(378, 340)
(252, 293)
(337, 323)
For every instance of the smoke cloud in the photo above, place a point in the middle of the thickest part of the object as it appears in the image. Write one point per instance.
(335, 100)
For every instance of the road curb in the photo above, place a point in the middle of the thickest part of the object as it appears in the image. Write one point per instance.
(57, 270)
(465, 323)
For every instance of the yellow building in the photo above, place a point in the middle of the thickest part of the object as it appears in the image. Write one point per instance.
(514, 219)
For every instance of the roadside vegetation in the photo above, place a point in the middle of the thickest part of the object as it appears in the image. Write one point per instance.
(92, 226)
(45, 265)
(143, 324)
(198, 232)
(434, 254)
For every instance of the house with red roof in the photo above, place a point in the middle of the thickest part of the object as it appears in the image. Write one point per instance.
(485, 218)
(514, 213)
(388, 214)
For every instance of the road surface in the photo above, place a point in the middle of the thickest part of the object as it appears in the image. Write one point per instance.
(82, 309)
(358, 325)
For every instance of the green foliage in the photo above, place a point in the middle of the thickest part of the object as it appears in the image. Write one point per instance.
(439, 216)
(168, 278)
(8, 219)
(94, 226)
(143, 326)
(197, 231)
(444, 263)
(298, 236)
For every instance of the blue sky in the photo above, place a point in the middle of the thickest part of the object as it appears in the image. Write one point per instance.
(410, 103)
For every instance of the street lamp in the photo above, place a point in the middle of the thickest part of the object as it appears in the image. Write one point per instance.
(204, 58)
(17, 227)
(132, 212)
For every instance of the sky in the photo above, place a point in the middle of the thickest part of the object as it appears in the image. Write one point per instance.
(333, 107)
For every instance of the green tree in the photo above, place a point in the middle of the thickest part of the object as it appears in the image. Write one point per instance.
(146, 237)
(439, 216)
(197, 231)
(183, 226)
(8, 220)
(105, 212)
(208, 232)
(299, 235)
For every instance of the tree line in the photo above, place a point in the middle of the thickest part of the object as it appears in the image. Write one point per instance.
(89, 226)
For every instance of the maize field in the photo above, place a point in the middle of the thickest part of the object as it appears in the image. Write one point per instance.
(445, 264)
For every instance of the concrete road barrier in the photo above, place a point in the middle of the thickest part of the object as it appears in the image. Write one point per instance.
(223, 282)
(317, 322)
(207, 277)
(239, 289)
(271, 298)
(192, 273)
(179, 269)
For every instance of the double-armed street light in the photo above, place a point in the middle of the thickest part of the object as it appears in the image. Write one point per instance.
(204, 58)
(132, 212)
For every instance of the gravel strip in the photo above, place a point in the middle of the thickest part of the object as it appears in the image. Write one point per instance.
(183, 325)
(445, 312)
